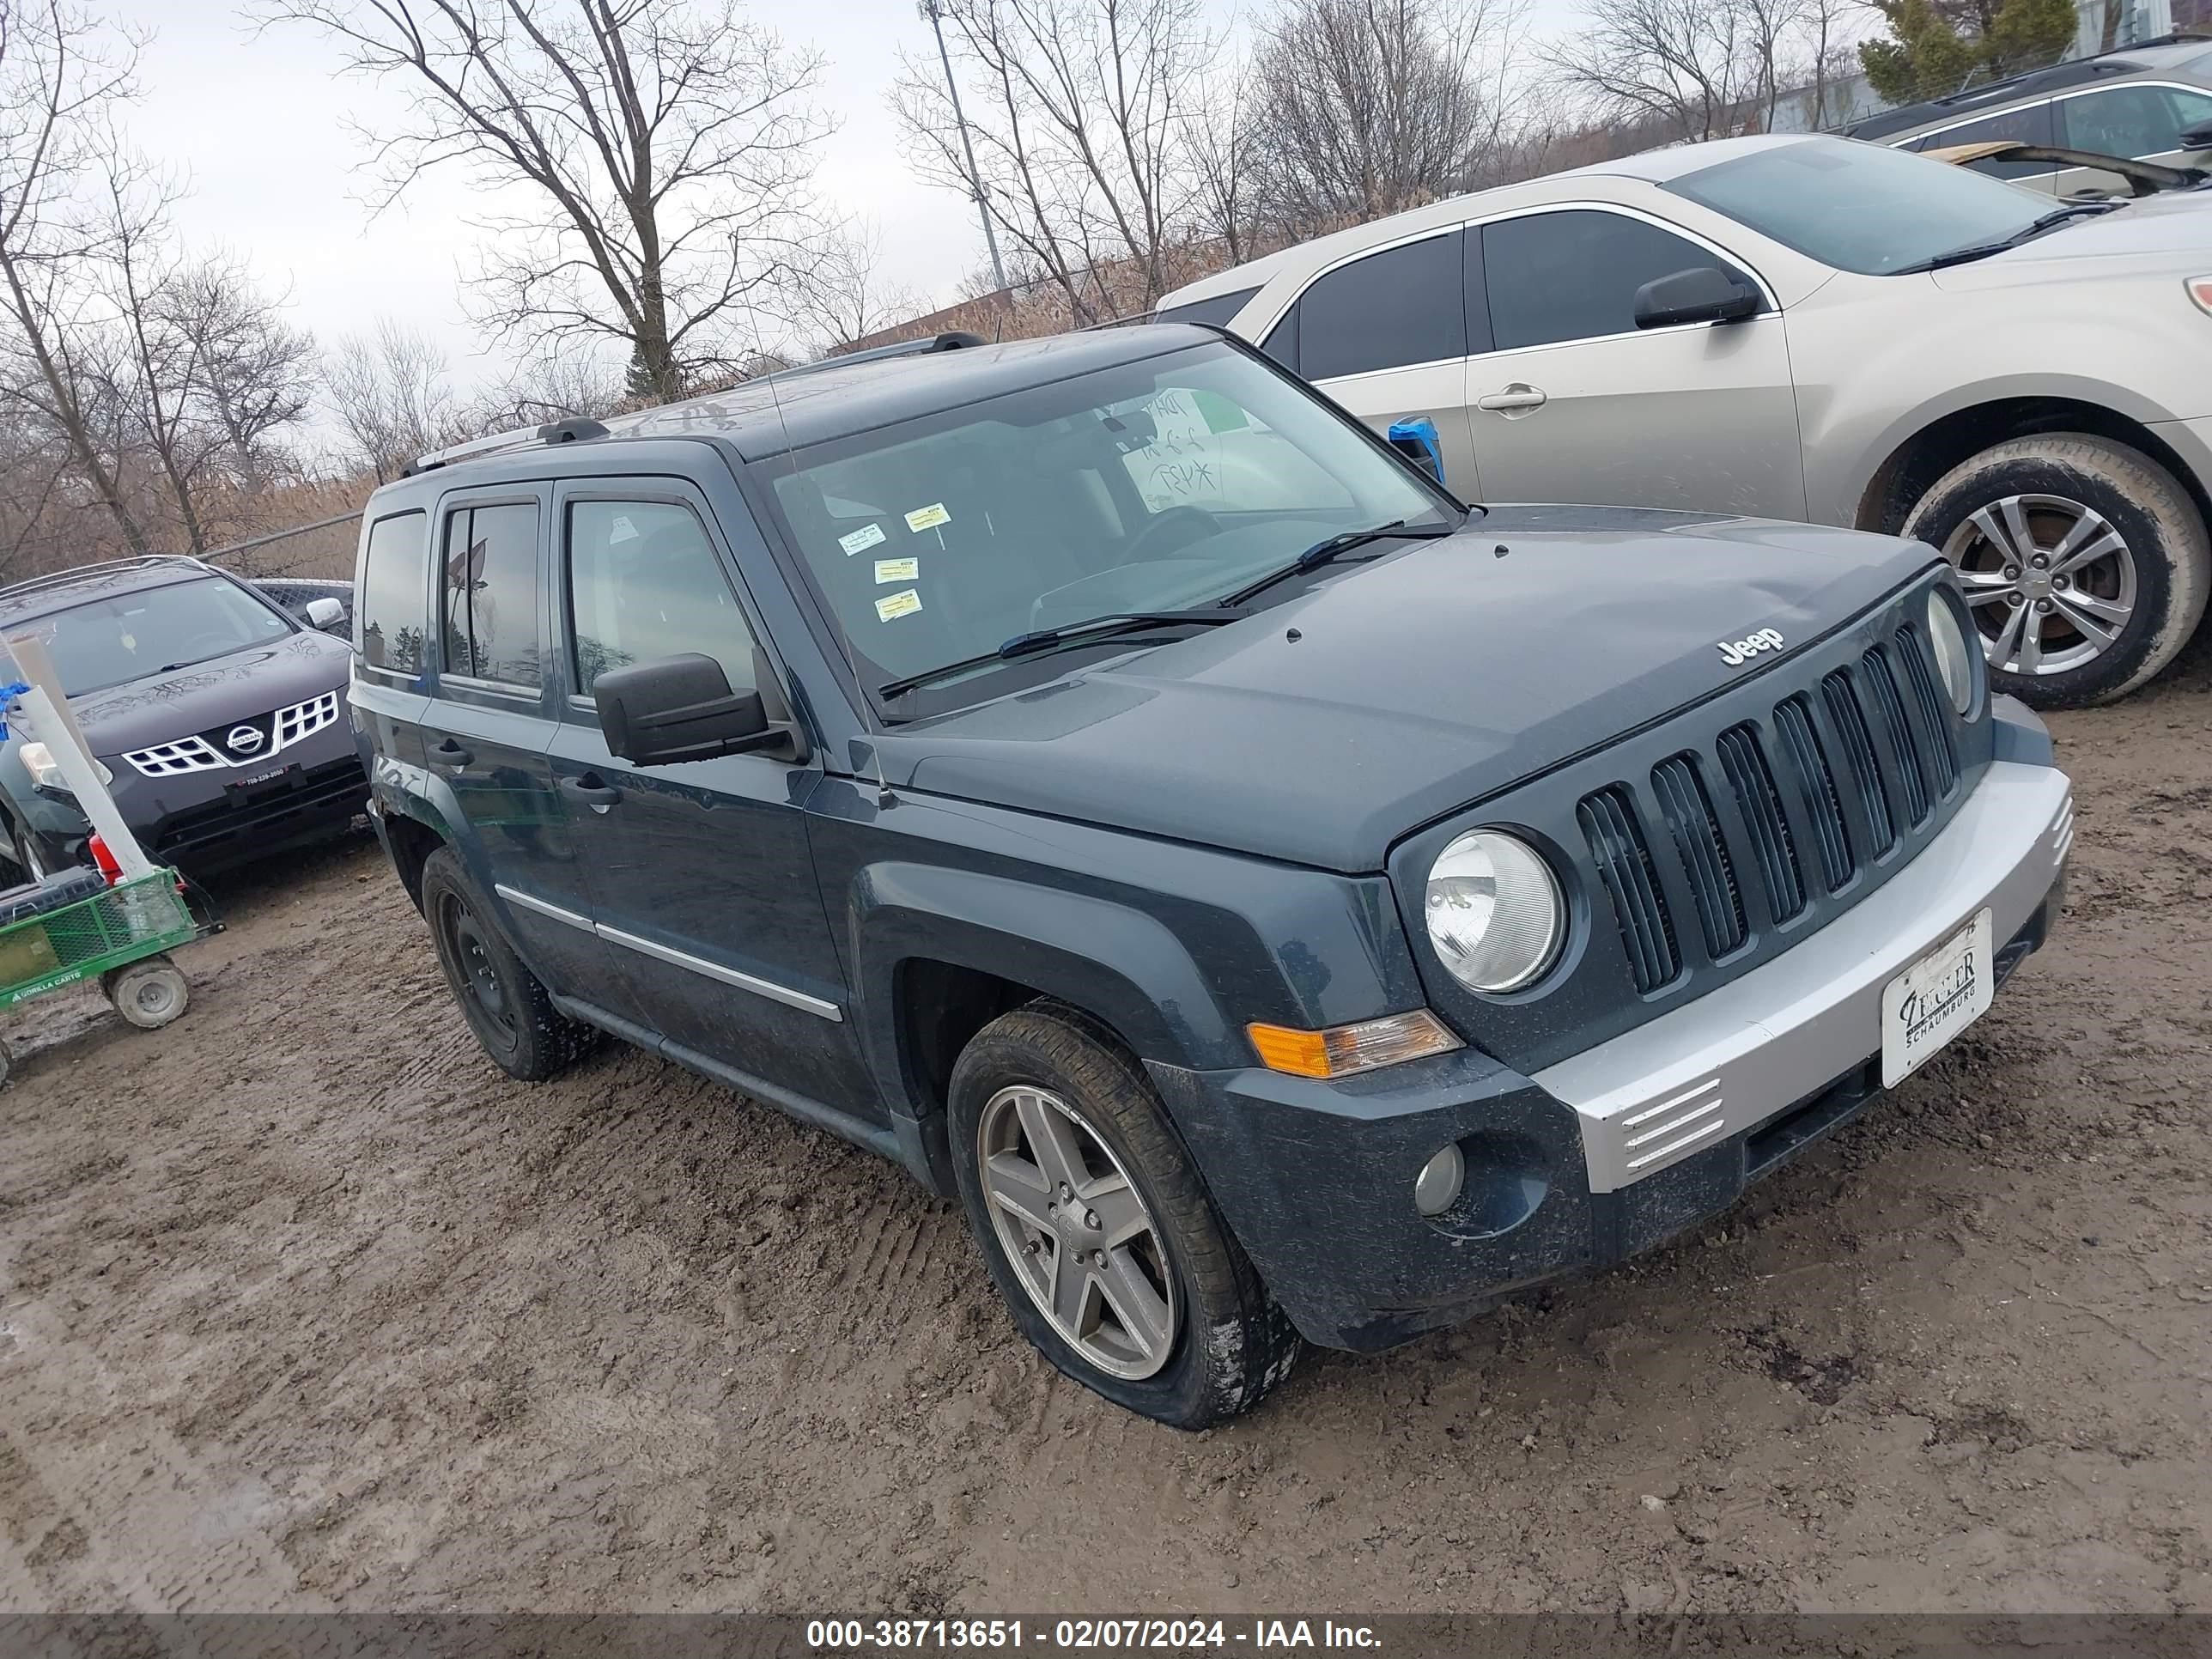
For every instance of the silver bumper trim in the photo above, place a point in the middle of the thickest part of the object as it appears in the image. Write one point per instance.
(1739, 1055)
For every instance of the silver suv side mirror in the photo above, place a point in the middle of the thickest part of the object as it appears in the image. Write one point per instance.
(325, 614)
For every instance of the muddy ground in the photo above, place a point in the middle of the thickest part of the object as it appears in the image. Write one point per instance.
(302, 1305)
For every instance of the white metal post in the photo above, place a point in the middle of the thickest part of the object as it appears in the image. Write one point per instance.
(43, 712)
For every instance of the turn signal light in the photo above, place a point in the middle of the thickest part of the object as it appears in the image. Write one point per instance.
(2200, 289)
(1342, 1050)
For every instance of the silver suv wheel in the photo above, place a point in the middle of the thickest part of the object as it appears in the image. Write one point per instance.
(2050, 583)
(1079, 1238)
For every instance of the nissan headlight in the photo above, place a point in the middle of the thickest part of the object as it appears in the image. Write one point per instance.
(46, 772)
(1949, 641)
(1495, 912)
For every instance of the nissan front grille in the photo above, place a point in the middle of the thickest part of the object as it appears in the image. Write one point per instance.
(245, 744)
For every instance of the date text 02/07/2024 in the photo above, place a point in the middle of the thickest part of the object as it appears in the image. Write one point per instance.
(1080, 1635)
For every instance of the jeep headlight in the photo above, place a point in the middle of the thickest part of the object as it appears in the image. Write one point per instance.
(1495, 912)
(46, 772)
(1949, 641)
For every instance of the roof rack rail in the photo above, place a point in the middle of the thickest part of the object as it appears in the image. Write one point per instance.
(573, 429)
(78, 572)
(2050, 78)
(951, 340)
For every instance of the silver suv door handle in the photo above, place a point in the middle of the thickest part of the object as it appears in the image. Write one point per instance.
(1519, 398)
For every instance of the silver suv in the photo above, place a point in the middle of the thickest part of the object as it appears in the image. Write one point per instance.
(2151, 103)
(1807, 328)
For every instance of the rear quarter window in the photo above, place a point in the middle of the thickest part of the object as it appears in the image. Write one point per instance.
(394, 578)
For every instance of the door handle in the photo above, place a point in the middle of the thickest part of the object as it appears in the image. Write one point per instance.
(591, 789)
(1519, 398)
(447, 752)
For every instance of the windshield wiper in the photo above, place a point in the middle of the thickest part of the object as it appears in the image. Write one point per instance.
(1333, 547)
(1972, 250)
(1091, 630)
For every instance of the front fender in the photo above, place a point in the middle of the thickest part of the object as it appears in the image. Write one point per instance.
(1125, 967)
(1177, 947)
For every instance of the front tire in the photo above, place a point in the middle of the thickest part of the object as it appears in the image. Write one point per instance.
(506, 1005)
(2086, 565)
(1097, 1230)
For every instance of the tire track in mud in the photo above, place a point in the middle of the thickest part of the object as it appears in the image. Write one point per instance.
(128, 1519)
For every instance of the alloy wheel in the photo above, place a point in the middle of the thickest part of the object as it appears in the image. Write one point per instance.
(2050, 581)
(1079, 1236)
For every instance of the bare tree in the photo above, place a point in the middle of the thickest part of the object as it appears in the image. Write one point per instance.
(549, 389)
(845, 297)
(389, 393)
(1224, 206)
(1696, 65)
(61, 77)
(256, 372)
(1364, 108)
(1078, 109)
(666, 146)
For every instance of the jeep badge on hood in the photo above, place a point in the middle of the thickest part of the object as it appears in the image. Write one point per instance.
(1736, 652)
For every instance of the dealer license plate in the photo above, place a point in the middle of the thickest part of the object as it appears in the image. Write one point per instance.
(1936, 998)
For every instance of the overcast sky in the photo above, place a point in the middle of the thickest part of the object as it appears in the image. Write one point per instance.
(255, 122)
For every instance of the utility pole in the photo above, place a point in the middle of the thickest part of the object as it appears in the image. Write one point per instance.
(933, 10)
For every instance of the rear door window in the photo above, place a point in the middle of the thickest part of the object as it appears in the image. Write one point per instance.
(1573, 275)
(644, 583)
(2029, 125)
(1399, 306)
(393, 622)
(491, 593)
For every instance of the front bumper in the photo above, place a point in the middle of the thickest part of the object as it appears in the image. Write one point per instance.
(1317, 1179)
(209, 820)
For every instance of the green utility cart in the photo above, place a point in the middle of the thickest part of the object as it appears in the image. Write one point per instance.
(121, 933)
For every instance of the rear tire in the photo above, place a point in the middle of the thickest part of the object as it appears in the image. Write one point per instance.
(2086, 626)
(1171, 1322)
(506, 1005)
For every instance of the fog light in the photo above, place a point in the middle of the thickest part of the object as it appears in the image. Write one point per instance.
(1435, 1189)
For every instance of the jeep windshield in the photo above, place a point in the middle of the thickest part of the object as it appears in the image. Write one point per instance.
(1161, 486)
(111, 642)
(1863, 207)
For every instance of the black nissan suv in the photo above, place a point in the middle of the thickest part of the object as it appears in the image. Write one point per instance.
(1280, 901)
(217, 717)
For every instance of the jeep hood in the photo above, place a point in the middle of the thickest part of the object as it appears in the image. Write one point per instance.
(212, 694)
(1388, 694)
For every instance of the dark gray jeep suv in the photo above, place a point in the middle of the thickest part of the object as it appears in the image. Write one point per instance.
(1099, 774)
(215, 714)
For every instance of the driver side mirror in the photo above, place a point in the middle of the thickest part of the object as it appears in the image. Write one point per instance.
(2198, 136)
(325, 615)
(681, 708)
(1705, 294)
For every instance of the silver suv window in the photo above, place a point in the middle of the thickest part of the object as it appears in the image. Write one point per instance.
(2133, 121)
(2028, 125)
(1573, 275)
(1399, 306)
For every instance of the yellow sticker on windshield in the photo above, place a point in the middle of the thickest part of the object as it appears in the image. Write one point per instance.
(903, 604)
(898, 570)
(928, 518)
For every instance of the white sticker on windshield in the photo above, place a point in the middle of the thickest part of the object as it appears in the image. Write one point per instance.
(861, 539)
(898, 570)
(928, 518)
(625, 531)
(903, 604)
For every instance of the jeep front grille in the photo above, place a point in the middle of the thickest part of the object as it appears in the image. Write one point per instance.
(211, 751)
(1829, 782)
